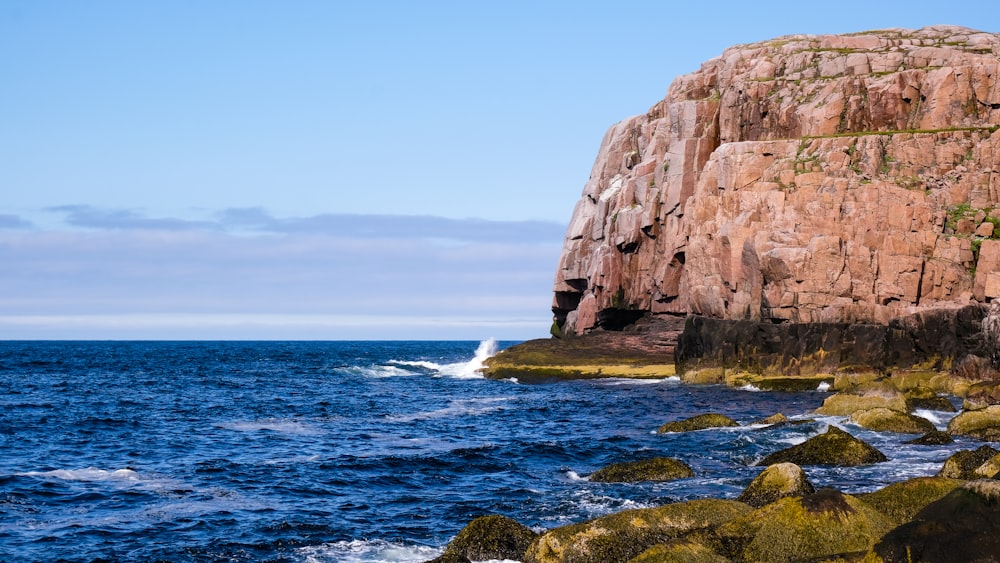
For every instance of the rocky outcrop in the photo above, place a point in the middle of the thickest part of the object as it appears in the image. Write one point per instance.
(699, 422)
(822, 526)
(835, 447)
(488, 537)
(655, 469)
(808, 179)
(964, 525)
(622, 536)
(776, 482)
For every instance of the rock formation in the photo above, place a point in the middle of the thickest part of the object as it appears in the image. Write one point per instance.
(807, 179)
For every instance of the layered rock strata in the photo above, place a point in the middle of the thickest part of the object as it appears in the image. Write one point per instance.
(808, 179)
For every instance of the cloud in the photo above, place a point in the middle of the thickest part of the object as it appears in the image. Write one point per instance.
(258, 221)
(123, 219)
(127, 276)
(14, 222)
(396, 226)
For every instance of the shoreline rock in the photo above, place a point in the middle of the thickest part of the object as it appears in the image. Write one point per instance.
(835, 447)
(654, 469)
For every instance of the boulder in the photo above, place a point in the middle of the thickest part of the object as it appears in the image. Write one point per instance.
(835, 447)
(864, 398)
(964, 463)
(964, 525)
(655, 469)
(989, 469)
(928, 399)
(823, 525)
(983, 424)
(488, 537)
(902, 501)
(932, 438)
(686, 550)
(776, 482)
(881, 419)
(777, 418)
(622, 536)
(981, 395)
(700, 422)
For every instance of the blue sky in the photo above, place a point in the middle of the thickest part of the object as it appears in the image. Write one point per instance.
(324, 169)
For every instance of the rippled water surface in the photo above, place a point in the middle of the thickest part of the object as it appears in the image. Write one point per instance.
(347, 451)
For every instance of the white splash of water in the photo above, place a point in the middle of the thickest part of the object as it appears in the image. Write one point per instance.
(823, 387)
(367, 551)
(470, 370)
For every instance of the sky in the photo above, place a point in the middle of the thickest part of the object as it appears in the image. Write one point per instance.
(249, 169)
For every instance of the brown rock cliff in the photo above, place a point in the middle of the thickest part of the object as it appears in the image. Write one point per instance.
(833, 179)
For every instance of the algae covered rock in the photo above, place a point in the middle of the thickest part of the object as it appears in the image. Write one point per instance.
(932, 438)
(868, 396)
(964, 463)
(776, 482)
(964, 525)
(819, 526)
(835, 447)
(981, 395)
(622, 536)
(983, 424)
(881, 419)
(777, 418)
(700, 422)
(927, 398)
(902, 501)
(686, 550)
(655, 469)
(488, 537)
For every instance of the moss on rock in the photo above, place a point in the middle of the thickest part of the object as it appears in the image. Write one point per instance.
(700, 422)
(902, 501)
(981, 395)
(624, 535)
(777, 418)
(776, 482)
(819, 526)
(655, 469)
(864, 397)
(881, 419)
(964, 525)
(983, 424)
(488, 537)
(964, 463)
(835, 447)
(686, 550)
(927, 398)
(932, 438)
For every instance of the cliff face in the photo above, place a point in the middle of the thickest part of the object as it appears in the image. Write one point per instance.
(835, 179)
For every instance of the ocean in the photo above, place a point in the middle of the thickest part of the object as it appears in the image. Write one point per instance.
(351, 451)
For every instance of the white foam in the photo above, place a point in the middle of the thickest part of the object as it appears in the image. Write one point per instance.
(823, 387)
(126, 478)
(283, 426)
(417, 364)
(929, 415)
(750, 387)
(470, 369)
(574, 476)
(86, 474)
(457, 408)
(613, 381)
(367, 551)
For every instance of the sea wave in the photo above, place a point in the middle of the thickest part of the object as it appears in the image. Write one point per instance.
(457, 408)
(367, 551)
(284, 426)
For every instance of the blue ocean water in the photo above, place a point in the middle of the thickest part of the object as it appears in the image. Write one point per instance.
(348, 451)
